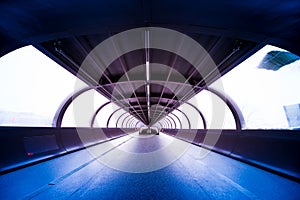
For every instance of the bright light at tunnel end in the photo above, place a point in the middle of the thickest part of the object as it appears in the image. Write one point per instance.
(162, 39)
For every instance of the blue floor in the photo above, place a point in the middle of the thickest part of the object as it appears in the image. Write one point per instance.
(172, 170)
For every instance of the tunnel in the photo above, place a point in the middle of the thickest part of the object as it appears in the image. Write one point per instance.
(149, 99)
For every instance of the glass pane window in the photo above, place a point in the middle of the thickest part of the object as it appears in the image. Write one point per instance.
(81, 111)
(32, 88)
(265, 88)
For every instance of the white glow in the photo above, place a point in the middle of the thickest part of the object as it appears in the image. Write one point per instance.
(147, 71)
(32, 88)
(260, 93)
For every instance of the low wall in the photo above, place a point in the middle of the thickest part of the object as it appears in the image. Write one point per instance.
(274, 150)
(22, 146)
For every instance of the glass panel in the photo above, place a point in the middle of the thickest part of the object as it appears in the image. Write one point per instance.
(32, 88)
(81, 111)
(113, 120)
(216, 113)
(103, 115)
(265, 87)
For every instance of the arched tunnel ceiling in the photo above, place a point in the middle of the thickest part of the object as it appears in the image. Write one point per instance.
(67, 31)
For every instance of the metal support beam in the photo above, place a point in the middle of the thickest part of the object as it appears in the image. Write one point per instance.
(177, 119)
(58, 117)
(97, 111)
(200, 113)
(131, 119)
(132, 122)
(236, 112)
(161, 126)
(163, 122)
(119, 118)
(59, 50)
(190, 93)
(172, 121)
(147, 62)
(188, 120)
(123, 122)
(137, 124)
(169, 122)
(110, 116)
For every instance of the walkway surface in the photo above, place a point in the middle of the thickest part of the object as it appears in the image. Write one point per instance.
(148, 167)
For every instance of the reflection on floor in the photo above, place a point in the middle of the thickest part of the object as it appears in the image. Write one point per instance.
(145, 167)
